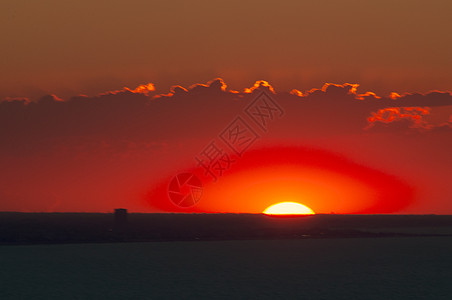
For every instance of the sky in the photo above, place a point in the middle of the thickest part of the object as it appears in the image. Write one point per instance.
(345, 105)
(87, 47)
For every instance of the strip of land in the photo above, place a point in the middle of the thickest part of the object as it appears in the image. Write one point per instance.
(45, 228)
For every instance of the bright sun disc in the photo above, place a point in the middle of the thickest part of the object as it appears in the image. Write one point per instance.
(288, 208)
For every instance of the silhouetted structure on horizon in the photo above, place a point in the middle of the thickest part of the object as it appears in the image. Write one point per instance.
(120, 222)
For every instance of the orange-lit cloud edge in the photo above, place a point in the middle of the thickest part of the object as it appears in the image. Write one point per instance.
(150, 90)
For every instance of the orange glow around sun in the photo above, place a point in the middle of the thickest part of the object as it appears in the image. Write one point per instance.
(288, 208)
(323, 181)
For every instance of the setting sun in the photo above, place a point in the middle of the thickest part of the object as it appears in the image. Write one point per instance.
(288, 208)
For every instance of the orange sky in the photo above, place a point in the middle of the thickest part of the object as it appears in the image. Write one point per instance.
(88, 47)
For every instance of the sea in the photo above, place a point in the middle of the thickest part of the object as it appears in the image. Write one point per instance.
(330, 268)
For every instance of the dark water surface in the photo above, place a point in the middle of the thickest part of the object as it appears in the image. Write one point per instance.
(359, 268)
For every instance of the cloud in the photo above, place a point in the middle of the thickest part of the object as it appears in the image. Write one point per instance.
(394, 114)
(16, 99)
(145, 89)
(434, 98)
(366, 95)
(215, 86)
(202, 109)
(261, 84)
(443, 128)
(49, 99)
(350, 88)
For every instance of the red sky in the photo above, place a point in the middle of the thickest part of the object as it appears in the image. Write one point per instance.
(334, 148)
(78, 135)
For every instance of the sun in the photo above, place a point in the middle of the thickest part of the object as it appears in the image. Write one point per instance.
(288, 208)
